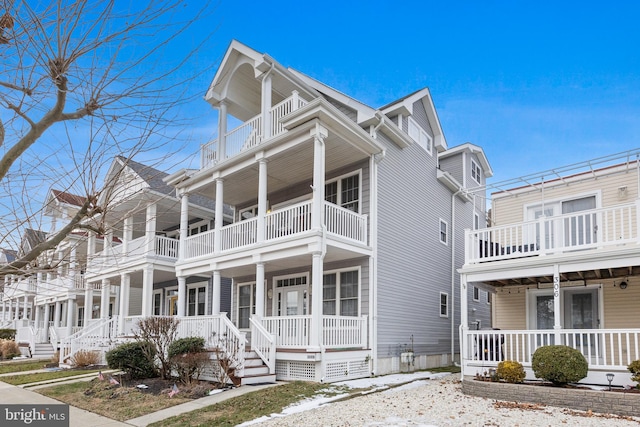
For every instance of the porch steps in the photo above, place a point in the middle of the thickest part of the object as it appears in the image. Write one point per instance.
(43, 351)
(255, 371)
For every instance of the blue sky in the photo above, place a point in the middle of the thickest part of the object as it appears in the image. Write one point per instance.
(536, 84)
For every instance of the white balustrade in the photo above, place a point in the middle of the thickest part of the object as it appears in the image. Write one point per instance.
(345, 223)
(167, 247)
(291, 220)
(344, 331)
(199, 245)
(263, 343)
(595, 228)
(239, 234)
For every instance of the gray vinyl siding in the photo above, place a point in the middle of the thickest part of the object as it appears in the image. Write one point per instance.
(454, 166)
(347, 111)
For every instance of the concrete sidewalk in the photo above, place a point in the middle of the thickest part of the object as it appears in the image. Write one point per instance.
(10, 394)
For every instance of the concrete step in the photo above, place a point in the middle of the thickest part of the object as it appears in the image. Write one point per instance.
(257, 379)
(256, 370)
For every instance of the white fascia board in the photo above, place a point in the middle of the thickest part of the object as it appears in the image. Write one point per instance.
(452, 184)
(472, 148)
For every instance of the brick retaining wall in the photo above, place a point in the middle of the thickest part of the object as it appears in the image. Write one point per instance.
(580, 399)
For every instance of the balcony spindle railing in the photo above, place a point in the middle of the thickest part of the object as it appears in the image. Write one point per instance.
(589, 229)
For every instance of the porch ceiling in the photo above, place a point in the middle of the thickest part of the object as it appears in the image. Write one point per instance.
(586, 275)
(284, 169)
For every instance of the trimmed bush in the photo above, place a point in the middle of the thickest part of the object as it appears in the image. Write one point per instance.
(634, 368)
(511, 371)
(132, 358)
(559, 364)
(188, 358)
(186, 345)
(7, 334)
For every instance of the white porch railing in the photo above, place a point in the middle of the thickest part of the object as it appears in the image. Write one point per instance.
(604, 349)
(263, 343)
(337, 331)
(289, 221)
(99, 336)
(238, 234)
(137, 248)
(345, 223)
(166, 247)
(595, 228)
(53, 336)
(250, 133)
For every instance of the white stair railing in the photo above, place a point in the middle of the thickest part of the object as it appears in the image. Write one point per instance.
(263, 343)
(98, 336)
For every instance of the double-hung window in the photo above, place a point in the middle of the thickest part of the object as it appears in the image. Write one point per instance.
(444, 304)
(420, 136)
(476, 172)
(444, 232)
(246, 304)
(340, 293)
(196, 301)
(344, 191)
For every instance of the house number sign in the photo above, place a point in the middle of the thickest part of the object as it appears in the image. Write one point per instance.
(556, 286)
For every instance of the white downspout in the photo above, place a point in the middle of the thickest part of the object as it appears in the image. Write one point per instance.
(453, 272)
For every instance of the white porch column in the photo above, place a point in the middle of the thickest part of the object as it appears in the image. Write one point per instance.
(556, 302)
(182, 296)
(25, 306)
(315, 339)
(150, 230)
(71, 306)
(125, 284)
(215, 299)
(73, 267)
(13, 314)
(127, 234)
(260, 300)
(56, 314)
(88, 302)
(4, 311)
(91, 245)
(222, 131)
(318, 134)
(267, 132)
(184, 223)
(104, 298)
(262, 198)
(36, 320)
(219, 215)
(147, 291)
(47, 316)
(464, 322)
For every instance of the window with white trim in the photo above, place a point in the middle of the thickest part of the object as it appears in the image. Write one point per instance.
(444, 304)
(157, 303)
(488, 297)
(246, 304)
(476, 221)
(444, 232)
(476, 172)
(340, 293)
(196, 301)
(420, 136)
(198, 227)
(247, 213)
(476, 294)
(344, 191)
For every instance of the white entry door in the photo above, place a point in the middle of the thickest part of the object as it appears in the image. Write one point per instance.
(291, 301)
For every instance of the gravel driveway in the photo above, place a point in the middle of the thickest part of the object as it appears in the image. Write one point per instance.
(439, 402)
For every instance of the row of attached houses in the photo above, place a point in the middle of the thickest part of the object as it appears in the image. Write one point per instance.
(323, 239)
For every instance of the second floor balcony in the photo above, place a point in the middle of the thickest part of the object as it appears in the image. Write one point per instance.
(291, 221)
(613, 227)
(135, 251)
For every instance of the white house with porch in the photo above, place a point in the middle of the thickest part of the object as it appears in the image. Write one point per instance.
(347, 223)
(562, 260)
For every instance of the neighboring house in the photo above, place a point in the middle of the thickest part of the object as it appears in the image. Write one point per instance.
(347, 226)
(562, 261)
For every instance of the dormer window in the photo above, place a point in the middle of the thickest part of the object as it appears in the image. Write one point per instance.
(476, 172)
(420, 136)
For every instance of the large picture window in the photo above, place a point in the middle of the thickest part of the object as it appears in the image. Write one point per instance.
(341, 293)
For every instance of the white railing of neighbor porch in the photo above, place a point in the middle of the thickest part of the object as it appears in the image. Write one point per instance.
(595, 228)
(263, 343)
(602, 348)
(166, 247)
(346, 223)
(198, 245)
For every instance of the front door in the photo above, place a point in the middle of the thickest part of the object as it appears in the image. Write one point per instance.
(581, 312)
(173, 305)
(291, 301)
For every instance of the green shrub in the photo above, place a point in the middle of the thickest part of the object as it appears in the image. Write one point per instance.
(186, 345)
(7, 334)
(511, 371)
(559, 364)
(132, 358)
(634, 368)
(188, 358)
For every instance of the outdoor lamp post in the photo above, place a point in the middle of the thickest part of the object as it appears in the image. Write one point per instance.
(610, 378)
